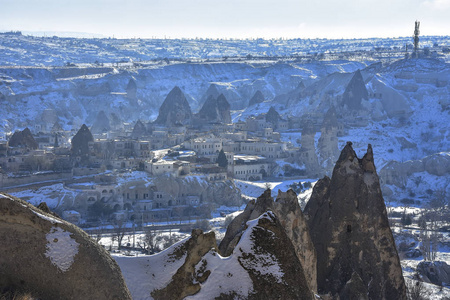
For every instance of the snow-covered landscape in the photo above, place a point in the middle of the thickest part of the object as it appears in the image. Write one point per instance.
(139, 185)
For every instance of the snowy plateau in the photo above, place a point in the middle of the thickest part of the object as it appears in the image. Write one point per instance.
(403, 112)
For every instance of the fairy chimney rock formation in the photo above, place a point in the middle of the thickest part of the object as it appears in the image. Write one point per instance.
(101, 123)
(263, 265)
(139, 130)
(355, 91)
(307, 154)
(258, 97)
(80, 144)
(23, 139)
(131, 89)
(175, 109)
(215, 109)
(351, 234)
(212, 91)
(289, 213)
(328, 141)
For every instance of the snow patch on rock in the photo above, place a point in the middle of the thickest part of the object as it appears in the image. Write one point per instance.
(61, 248)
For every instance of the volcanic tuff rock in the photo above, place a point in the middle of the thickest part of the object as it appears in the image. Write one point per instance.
(51, 258)
(328, 141)
(273, 117)
(351, 233)
(288, 211)
(175, 109)
(23, 138)
(101, 123)
(80, 143)
(436, 272)
(258, 97)
(262, 266)
(139, 130)
(131, 89)
(215, 110)
(355, 92)
(212, 91)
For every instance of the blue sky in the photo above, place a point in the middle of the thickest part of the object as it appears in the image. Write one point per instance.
(229, 18)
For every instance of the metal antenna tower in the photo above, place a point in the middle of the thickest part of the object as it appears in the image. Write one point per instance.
(416, 37)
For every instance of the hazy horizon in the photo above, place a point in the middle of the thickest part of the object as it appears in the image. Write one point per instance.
(231, 19)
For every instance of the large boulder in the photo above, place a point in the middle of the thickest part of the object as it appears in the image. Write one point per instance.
(50, 258)
(436, 272)
(351, 234)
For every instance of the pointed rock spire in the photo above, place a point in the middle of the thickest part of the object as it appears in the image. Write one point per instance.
(258, 97)
(350, 230)
(175, 109)
(355, 92)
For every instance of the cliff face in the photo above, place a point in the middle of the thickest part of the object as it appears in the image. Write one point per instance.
(51, 258)
(175, 109)
(351, 233)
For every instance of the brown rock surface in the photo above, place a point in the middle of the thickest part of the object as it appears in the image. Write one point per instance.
(288, 211)
(351, 233)
(263, 265)
(51, 258)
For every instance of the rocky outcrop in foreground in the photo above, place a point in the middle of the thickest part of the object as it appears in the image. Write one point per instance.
(356, 254)
(288, 211)
(263, 265)
(52, 259)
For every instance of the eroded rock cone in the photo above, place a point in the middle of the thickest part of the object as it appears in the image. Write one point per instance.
(101, 123)
(139, 130)
(80, 143)
(175, 109)
(50, 258)
(288, 211)
(356, 254)
(23, 138)
(215, 110)
(258, 97)
(355, 91)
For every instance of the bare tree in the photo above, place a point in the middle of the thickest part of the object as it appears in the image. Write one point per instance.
(97, 234)
(149, 242)
(429, 235)
(416, 290)
(119, 231)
